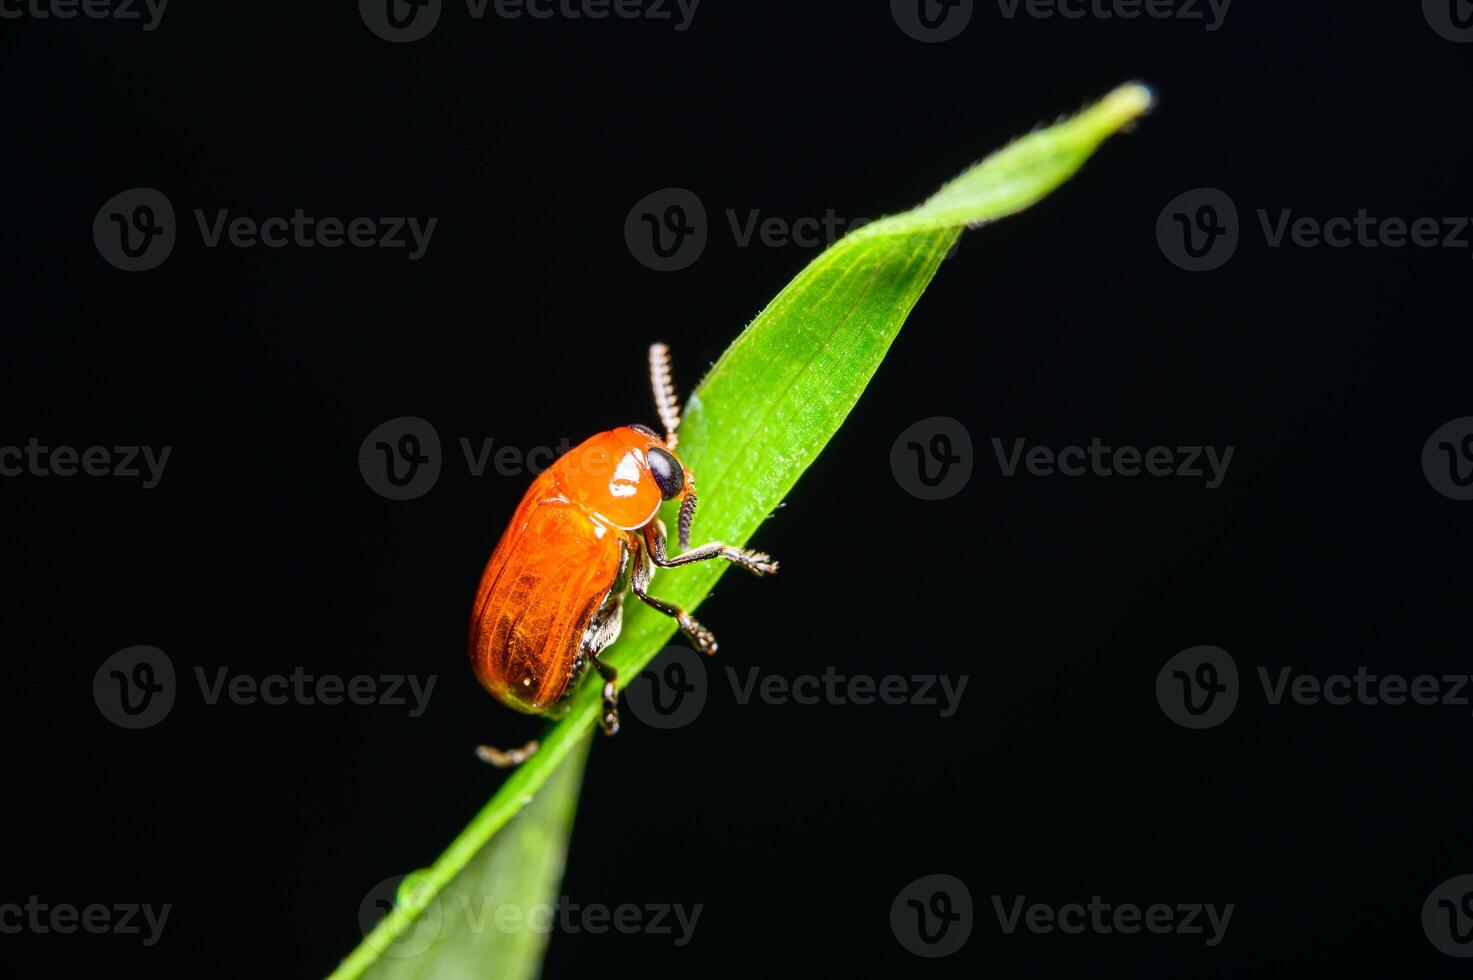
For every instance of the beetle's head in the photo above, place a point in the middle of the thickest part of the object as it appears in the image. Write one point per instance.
(672, 477)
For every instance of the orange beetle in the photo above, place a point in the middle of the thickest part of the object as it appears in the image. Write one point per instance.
(586, 532)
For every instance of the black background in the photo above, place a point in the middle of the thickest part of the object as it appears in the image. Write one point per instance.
(263, 549)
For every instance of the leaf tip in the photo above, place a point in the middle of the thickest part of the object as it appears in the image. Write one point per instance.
(1128, 103)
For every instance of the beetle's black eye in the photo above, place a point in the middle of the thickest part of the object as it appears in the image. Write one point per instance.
(667, 471)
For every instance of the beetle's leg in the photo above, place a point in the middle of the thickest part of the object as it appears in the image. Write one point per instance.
(505, 759)
(666, 403)
(703, 638)
(753, 561)
(610, 719)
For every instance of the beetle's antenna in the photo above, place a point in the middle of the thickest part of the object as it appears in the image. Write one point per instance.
(666, 403)
(687, 518)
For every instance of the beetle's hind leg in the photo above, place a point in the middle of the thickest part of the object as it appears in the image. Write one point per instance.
(507, 758)
(610, 718)
(703, 638)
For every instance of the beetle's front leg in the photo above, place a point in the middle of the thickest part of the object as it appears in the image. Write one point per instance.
(755, 562)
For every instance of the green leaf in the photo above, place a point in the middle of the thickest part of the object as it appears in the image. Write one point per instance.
(753, 425)
(494, 917)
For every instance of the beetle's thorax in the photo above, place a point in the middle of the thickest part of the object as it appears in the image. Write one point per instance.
(608, 477)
